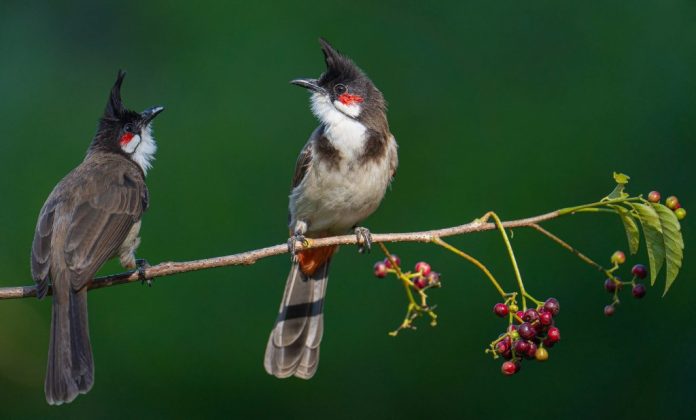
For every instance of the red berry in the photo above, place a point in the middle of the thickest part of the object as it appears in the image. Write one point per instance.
(526, 330)
(618, 257)
(654, 196)
(420, 282)
(519, 314)
(509, 368)
(546, 318)
(501, 309)
(551, 305)
(511, 328)
(530, 315)
(548, 343)
(554, 334)
(397, 260)
(609, 310)
(380, 269)
(502, 347)
(640, 271)
(639, 290)
(672, 202)
(423, 268)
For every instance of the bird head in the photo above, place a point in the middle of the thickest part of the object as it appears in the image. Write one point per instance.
(343, 87)
(124, 131)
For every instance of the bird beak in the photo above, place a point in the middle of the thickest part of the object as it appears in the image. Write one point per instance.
(311, 84)
(150, 114)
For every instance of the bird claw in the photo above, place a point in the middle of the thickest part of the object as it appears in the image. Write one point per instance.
(292, 245)
(142, 265)
(364, 238)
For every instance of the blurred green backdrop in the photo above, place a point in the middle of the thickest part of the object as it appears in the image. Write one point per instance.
(521, 108)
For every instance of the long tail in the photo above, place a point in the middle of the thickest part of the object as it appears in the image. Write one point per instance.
(293, 347)
(70, 369)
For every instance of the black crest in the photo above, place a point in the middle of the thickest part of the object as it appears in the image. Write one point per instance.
(114, 107)
(338, 66)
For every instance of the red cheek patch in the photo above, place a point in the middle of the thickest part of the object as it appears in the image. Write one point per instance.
(126, 138)
(348, 99)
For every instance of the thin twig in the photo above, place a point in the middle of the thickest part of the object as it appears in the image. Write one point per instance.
(569, 247)
(250, 257)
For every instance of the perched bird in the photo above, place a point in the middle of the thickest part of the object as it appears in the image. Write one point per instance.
(92, 215)
(340, 178)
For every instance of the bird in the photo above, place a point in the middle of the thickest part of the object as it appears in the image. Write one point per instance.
(92, 215)
(341, 177)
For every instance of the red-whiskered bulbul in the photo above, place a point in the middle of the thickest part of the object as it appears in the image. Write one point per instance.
(340, 178)
(92, 215)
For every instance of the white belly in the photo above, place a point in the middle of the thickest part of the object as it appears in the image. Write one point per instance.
(336, 199)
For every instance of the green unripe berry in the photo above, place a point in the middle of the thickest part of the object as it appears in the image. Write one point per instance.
(681, 213)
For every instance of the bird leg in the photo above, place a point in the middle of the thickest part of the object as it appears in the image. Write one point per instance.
(298, 236)
(142, 265)
(364, 238)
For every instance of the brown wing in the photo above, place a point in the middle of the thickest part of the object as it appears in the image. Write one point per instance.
(41, 247)
(100, 203)
(101, 222)
(304, 162)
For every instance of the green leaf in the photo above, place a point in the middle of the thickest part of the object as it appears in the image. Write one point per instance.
(654, 242)
(674, 243)
(621, 181)
(632, 232)
(621, 178)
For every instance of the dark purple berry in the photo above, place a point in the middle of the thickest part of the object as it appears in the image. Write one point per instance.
(521, 347)
(554, 334)
(532, 350)
(380, 269)
(526, 330)
(551, 305)
(501, 310)
(548, 343)
(530, 315)
(546, 318)
(639, 290)
(609, 310)
(640, 271)
(613, 285)
(502, 346)
(420, 282)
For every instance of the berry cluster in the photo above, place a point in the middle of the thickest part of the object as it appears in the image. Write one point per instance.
(422, 277)
(614, 285)
(529, 334)
(417, 283)
(672, 202)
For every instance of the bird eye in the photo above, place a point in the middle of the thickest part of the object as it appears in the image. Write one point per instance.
(340, 89)
(128, 127)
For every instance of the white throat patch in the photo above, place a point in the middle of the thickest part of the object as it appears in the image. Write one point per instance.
(142, 148)
(345, 133)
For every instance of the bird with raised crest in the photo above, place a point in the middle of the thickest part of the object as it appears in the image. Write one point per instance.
(340, 179)
(92, 215)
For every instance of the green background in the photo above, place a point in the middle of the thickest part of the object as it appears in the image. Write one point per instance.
(521, 108)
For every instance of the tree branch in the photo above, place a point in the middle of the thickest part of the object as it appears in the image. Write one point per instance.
(250, 257)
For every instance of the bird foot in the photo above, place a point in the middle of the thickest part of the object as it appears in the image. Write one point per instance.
(142, 265)
(292, 245)
(364, 238)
